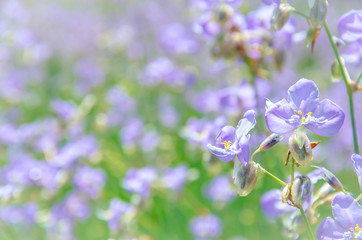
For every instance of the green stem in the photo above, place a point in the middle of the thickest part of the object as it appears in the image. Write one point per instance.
(292, 173)
(309, 228)
(348, 87)
(301, 14)
(358, 79)
(254, 153)
(262, 170)
(359, 197)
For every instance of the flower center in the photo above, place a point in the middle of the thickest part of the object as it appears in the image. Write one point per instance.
(226, 144)
(303, 116)
(357, 232)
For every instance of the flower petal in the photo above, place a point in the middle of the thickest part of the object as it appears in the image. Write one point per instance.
(227, 133)
(350, 25)
(222, 154)
(303, 96)
(279, 118)
(346, 211)
(246, 124)
(329, 230)
(357, 163)
(244, 155)
(327, 119)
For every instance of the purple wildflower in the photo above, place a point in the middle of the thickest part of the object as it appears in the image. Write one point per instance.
(357, 163)
(347, 219)
(350, 25)
(117, 209)
(303, 107)
(220, 189)
(231, 142)
(206, 226)
(174, 178)
(89, 180)
(17, 214)
(139, 180)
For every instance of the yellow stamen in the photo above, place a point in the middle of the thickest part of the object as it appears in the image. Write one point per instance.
(310, 113)
(303, 119)
(226, 144)
(351, 229)
(300, 112)
(357, 228)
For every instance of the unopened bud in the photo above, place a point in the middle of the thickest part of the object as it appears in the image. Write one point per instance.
(323, 191)
(245, 177)
(318, 13)
(335, 70)
(280, 16)
(300, 189)
(300, 148)
(331, 179)
(312, 37)
(224, 13)
(270, 141)
(285, 193)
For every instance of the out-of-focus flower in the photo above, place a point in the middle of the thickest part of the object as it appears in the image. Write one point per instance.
(220, 189)
(206, 226)
(174, 178)
(89, 180)
(116, 211)
(347, 220)
(201, 131)
(175, 39)
(350, 25)
(66, 110)
(19, 214)
(139, 180)
(167, 113)
(150, 141)
(163, 70)
(231, 142)
(303, 107)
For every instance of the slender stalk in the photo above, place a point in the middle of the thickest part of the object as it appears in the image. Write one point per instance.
(358, 79)
(262, 170)
(309, 228)
(292, 173)
(348, 87)
(359, 197)
(254, 153)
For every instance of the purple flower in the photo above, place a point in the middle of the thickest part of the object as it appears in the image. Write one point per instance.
(17, 214)
(350, 25)
(347, 219)
(139, 180)
(174, 178)
(206, 226)
(89, 180)
(231, 142)
(357, 163)
(117, 209)
(353, 53)
(303, 107)
(66, 110)
(272, 205)
(220, 189)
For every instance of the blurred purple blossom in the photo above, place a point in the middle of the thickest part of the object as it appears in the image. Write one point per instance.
(139, 180)
(174, 178)
(117, 209)
(220, 189)
(90, 180)
(66, 110)
(208, 226)
(19, 214)
(350, 25)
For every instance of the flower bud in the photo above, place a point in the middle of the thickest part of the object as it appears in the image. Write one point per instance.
(224, 13)
(270, 141)
(335, 70)
(280, 16)
(300, 148)
(323, 191)
(331, 179)
(300, 189)
(285, 193)
(312, 36)
(318, 13)
(245, 177)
